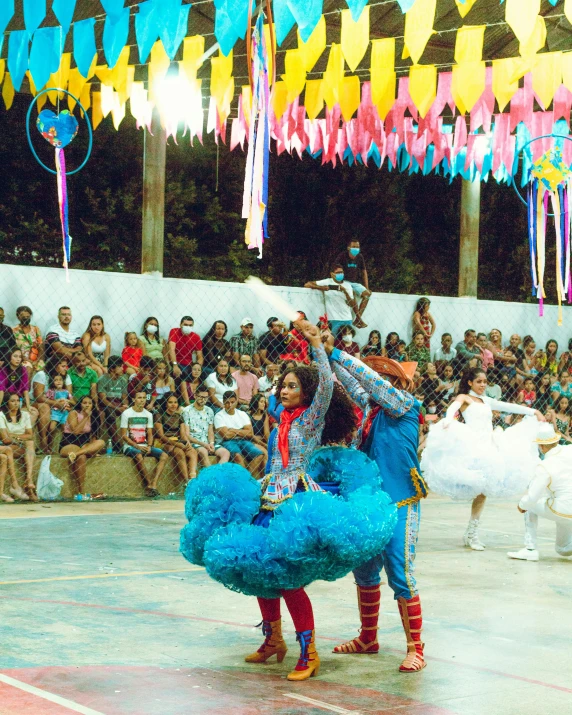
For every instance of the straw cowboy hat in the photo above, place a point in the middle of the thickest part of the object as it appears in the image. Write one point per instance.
(546, 434)
(403, 371)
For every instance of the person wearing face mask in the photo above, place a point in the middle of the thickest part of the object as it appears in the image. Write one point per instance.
(338, 297)
(153, 344)
(355, 273)
(29, 340)
(185, 347)
(7, 339)
(345, 341)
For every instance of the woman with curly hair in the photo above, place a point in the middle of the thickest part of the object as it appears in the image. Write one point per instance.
(273, 565)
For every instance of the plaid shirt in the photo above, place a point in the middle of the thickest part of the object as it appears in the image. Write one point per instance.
(244, 346)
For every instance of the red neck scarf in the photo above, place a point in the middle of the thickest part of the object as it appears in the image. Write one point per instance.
(368, 424)
(286, 419)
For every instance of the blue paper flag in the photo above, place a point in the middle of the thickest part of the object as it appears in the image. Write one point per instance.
(115, 33)
(63, 10)
(84, 49)
(283, 19)
(18, 45)
(306, 13)
(34, 14)
(231, 20)
(149, 22)
(406, 5)
(112, 7)
(356, 8)
(45, 54)
(175, 27)
(6, 14)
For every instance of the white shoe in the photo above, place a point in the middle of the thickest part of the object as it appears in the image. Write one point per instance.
(524, 555)
(471, 536)
(19, 493)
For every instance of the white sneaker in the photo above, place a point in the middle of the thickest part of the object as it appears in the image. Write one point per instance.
(19, 493)
(524, 555)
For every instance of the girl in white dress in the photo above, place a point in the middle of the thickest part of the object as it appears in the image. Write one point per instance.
(470, 460)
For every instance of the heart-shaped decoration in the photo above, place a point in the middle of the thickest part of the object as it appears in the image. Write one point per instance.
(58, 129)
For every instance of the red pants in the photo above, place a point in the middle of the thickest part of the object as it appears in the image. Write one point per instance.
(298, 605)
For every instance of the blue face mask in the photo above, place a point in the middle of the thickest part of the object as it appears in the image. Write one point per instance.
(354, 252)
(339, 277)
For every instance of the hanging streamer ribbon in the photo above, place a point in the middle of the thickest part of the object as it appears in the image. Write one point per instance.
(63, 204)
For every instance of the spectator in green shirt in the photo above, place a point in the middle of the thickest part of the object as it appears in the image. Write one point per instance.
(417, 352)
(84, 379)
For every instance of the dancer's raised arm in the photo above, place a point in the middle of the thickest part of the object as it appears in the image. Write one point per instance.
(316, 412)
(512, 408)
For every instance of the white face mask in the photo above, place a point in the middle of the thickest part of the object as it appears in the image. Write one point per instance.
(432, 410)
(186, 329)
(152, 329)
(347, 339)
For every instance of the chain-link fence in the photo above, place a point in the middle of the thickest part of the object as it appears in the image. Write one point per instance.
(123, 379)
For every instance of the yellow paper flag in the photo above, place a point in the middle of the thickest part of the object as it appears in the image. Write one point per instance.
(547, 76)
(279, 99)
(314, 97)
(85, 97)
(157, 68)
(266, 31)
(75, 86)
(2, 69)
(8, 91)
(568, 10)
(536, 41)
(33, 89)
(418, 28)
(355, 37)
(423, 87)
(333, 75)
(567, 70)
(521, 16)
(316, 44)
(193, 50)
(295, 74)
(469, 43)
(96, 113)
(504, 84)
(465, 7)
(60, 78)
(382, 74)
(349, 96)
(469, 80)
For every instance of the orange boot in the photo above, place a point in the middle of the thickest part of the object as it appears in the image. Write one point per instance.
(412, 619)
(309, 661)
(273, 644)
(369, 598)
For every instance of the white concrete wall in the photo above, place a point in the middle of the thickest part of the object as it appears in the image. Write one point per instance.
(125, 300)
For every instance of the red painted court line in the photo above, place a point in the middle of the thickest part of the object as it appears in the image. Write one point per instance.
(164, 614)
(16, 702)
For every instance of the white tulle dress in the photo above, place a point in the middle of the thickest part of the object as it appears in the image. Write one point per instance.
(463, 460)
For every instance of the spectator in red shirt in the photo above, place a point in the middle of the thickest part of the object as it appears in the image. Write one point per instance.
(246, 380)
(345, 341)
(185, 348)
(144, 381)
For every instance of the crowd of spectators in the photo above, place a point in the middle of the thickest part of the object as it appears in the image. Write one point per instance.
(193, 400)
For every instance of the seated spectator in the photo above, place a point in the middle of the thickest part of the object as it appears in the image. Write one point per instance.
(112, 393)
(219, 382)
(445, 354)
(259, 419)
(3, 469)
(137, 436)
(430, 382)
(79, 444)
(188, 389)
(40, 384)
(273, 343)
(21, 441)
(543, 394)
(165, 385)
(527, 395)
(417, 352)
(338, 297)
(487, 359)
(391, 345)
(246, 343)
(29, 339)
(131, 353)
(83, 378)
(495, 346)
(508, 367)
(548, 360)
(507, 386)
(566, 360)
(247, 382)
(151, 341)
(268, 381)
(7, 339)
(423, 321)
(216, 347)
(345, 341)
(493, 389)
(62, 402)
(355, 272)
(144, 381)
(467, 349)
(559, 415)
(185, 348)
(374, 345)
(447, 384)
(432, 406)
(562, 387)
(7, 464)
(171, 437)
(199, 420)
(527, 367)
(14, 380)
(514, 345)
(61, 340)
(297, 347)
(235, 429)
(96, 345)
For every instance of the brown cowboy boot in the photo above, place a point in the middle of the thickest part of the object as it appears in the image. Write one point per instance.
(273, 644)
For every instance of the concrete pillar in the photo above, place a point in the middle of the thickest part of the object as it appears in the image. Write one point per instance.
(154, 151)
(469, 239)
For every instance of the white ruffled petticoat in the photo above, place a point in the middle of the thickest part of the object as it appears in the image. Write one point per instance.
(462, 461)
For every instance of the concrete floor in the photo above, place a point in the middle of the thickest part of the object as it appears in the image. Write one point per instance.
(100, 614)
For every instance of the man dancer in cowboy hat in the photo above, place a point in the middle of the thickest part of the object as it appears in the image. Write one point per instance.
(390, 436)
(549, 496)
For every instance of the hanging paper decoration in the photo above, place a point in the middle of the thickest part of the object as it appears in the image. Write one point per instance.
(255, 198)
(550, 180)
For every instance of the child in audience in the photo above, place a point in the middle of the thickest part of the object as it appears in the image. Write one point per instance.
(60, 411)
(401, 355)
(131, 353)
(527, 396)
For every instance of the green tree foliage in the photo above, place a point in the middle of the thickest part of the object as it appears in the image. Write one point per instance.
(409, 225)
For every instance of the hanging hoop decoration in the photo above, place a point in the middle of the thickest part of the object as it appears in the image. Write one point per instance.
(60, 130)
(549, 183)
(58, 122)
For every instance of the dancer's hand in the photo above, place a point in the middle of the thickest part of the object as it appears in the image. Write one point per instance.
(539, 416)
(328, 340)
(310, 332)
